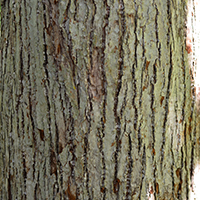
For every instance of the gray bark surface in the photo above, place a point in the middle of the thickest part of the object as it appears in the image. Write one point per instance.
(96, 100)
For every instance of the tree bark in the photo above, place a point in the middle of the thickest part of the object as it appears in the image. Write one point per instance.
(96, 100)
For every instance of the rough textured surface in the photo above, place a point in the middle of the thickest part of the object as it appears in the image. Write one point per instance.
(95, 100)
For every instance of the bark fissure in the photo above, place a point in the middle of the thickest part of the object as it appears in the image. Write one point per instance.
(166, 107)
(134, 96)
(135, 29)
(86, 147)
(116, 181)
(184, 78)
(104, 91)
(51, 163)
(129, 169)
(169, 21)
(134, 68)
(143, 170)
(185, 161)
(23, 157)
(72, 145)
(144, 72)
(21, 62)
(173, 163)
(124, 102)
(139, 137)
(153, 124)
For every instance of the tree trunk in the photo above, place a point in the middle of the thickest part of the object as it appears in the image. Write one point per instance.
(96, 100)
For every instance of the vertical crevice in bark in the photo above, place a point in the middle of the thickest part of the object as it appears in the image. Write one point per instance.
(45, 172)
(9, 187)
(153, 81)
(135, 29)
(185, 163)
(144, 84)
(129, 170)
(21, 58)
(10, 172)
(63, 100)
(143, 170)
(86, 146)
(144, 74)
(124, 102)
(30, 87)
(24, 171)
(72, 147)
(122, 23)
(23, 155)
(46, 80)
(192, 157)
(156, 27)
(36, 189)
(59, 172)
(184, 78)
(179, 172)
(20, 101)
(134, 67)
(134, 96)
(166, 107)
(101, 135)
(172, 166)
(169, 21)
(139, 137)
(104, 92)
(118, 132)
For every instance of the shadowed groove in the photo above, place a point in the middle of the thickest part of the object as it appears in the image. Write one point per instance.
(122, 23)
(104, 92)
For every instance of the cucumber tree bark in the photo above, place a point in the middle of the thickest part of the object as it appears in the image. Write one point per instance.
(96, 100)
